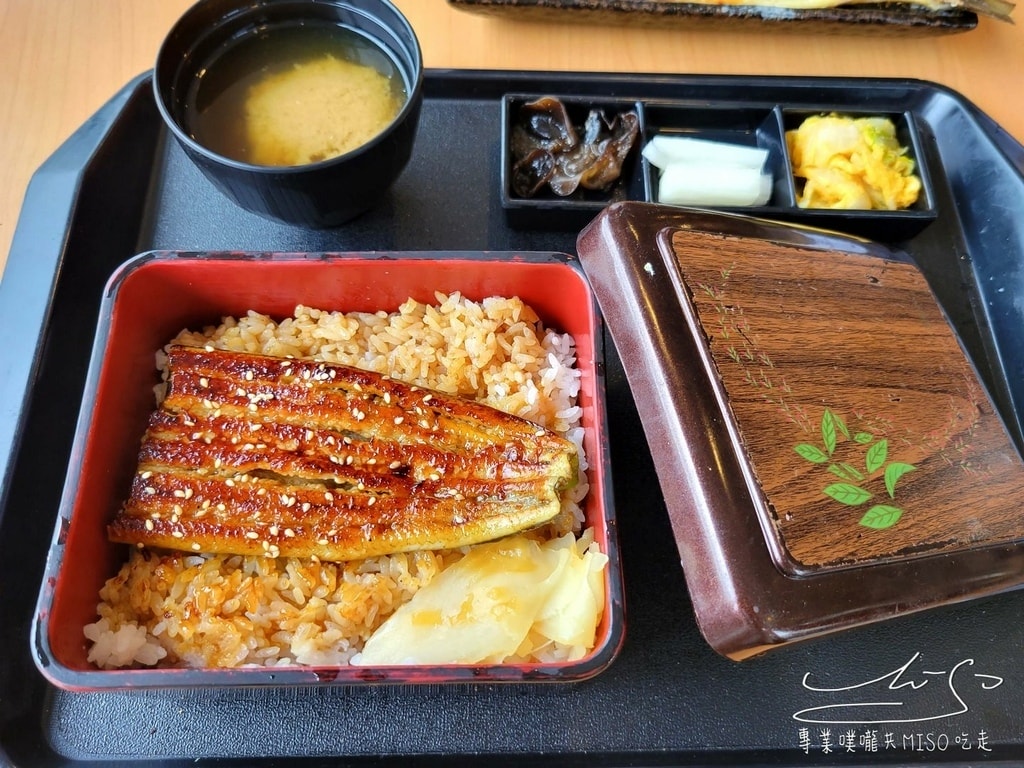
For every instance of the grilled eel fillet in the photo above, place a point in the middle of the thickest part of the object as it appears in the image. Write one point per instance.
(250, 454)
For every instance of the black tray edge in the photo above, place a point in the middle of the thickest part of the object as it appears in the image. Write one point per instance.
(33, 265)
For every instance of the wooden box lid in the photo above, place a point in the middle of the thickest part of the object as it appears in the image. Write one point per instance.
(827, 454)
(863, 422)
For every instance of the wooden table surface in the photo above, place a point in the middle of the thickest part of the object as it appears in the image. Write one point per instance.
(60, 60)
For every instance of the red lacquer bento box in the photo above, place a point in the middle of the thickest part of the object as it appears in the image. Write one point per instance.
(157, 294)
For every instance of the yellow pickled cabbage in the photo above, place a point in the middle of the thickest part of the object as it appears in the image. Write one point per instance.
(507, 599)
(852, 163)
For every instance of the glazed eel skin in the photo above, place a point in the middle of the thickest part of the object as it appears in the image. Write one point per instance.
(249, 454)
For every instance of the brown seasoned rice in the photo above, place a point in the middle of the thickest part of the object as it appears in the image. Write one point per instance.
(181, 609)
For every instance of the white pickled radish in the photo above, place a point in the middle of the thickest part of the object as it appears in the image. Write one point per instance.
(664, 150)
(705, 185)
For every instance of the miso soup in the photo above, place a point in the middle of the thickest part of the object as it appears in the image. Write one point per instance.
(294, 95)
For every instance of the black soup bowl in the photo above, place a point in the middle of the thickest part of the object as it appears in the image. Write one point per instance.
(315, 193)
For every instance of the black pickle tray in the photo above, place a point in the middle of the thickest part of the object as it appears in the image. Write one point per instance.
(940, 687)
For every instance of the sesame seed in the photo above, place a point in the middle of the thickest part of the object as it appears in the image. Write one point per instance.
(203, 381)
(150, 490)
(427, 398)
(399, 419)
(328, 496)
(188, 493)
(221, 508)
(273, 530)
(149, 525)
(217, 463)
(208, 348)
(146, 475)
(229, 483)
(253, 407)
(248, 376)
(322, 542)
(240, 392)
(289, 533)
(394, 465)
(176, 509)
(387, 398)
(251, 535)
(371, 501)
(435, 476)
(195, 546)
(179, 493)
(309, 434)
(178, 535)
(206, 503)
(305, 506)
(371, 461)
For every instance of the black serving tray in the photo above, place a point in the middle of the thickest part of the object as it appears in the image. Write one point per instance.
(942, 687)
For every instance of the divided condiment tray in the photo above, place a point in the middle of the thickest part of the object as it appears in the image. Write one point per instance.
(117, 188)
(761, 126)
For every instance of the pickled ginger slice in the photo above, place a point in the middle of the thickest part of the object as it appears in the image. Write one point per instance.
(483, 608)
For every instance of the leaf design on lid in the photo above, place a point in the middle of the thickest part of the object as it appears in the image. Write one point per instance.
(847, 493)
(881, 516)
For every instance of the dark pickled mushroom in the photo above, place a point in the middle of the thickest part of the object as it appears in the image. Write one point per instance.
(547, 149)
(547, 125)
(596, 163)
(531, 173)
